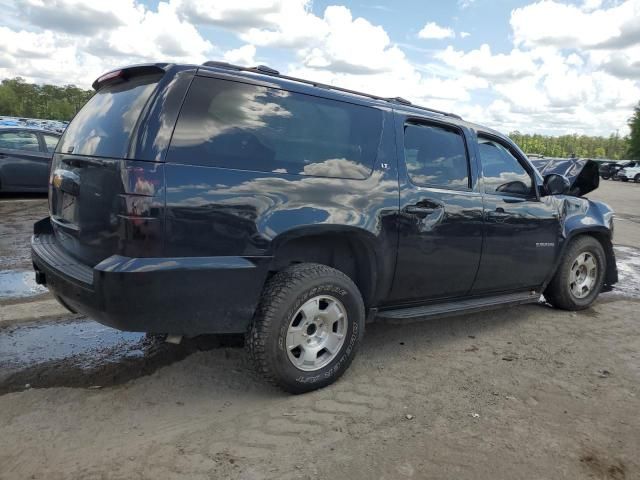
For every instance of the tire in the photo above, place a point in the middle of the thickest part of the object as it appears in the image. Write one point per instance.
(624, 179)
(637, 178)
(561, 291)
(606, 177)
(282, 322)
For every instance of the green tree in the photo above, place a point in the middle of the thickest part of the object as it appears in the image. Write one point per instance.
(634, 137)
(21, 99)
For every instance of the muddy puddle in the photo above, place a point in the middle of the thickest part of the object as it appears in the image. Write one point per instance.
(19, 284)
(628, 261)
(83, 353)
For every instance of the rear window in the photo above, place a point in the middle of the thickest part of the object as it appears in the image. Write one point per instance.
(235, 125)
(103, 127)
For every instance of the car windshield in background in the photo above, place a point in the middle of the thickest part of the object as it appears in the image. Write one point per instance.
(104, 125)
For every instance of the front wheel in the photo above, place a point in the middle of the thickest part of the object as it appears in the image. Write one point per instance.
(580, 275)
(307, 327)
(605, 177)
(637, 178)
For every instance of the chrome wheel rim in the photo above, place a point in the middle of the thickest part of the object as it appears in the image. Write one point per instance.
(316, 333)
(583, 276)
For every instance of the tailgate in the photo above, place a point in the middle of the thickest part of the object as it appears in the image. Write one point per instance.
(101, 203)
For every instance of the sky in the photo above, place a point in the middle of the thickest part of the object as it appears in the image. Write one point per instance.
(550, 66)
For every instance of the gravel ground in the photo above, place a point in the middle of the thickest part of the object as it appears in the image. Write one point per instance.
(528, 392)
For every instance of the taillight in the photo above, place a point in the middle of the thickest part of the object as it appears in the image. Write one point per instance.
(109, 76)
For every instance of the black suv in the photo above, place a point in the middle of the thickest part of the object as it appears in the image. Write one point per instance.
(219, 199)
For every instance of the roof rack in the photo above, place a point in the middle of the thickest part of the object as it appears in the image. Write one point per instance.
(270, 71)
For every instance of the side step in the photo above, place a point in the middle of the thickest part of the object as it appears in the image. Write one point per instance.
(461, 306)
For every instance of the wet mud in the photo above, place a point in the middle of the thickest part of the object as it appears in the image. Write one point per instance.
(82, 353)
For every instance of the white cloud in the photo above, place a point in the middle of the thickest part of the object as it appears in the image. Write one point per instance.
(275, 23)
(353, 46)
(244, 55)
(127, 33)
(590, 5)
(483, 63)
(568, 26)
(434, 31)
(464, 34)
(465, 3)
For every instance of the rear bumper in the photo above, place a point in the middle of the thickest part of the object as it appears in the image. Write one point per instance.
(185, 295)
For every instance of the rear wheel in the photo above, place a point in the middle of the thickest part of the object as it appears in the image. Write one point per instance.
(605, 176)
(307, 327)
(580, 275)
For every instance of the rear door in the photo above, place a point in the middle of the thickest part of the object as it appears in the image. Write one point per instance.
(440, 227)
(23, 163)
(521, 229)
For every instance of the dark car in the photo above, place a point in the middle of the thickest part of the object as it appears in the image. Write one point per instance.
(219, 199)
(25, 158)
(607, 169)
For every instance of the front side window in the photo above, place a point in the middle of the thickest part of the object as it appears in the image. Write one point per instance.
(26, 141)
(502, 172)
(436, 156)
(235, 125)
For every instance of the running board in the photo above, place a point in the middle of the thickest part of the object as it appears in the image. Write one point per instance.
(461, 306)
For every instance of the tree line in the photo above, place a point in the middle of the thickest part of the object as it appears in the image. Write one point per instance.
(612, 147)
(21, 99)
(48, 102)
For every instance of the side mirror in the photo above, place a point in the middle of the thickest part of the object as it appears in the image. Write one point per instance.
(555, 184)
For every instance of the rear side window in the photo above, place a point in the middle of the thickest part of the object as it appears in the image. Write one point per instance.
(235, 125)
(436, 156)
(26, 141)
(103, 127)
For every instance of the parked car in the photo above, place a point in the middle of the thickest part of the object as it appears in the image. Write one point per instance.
(219, 199)
(620, 166)
(606, 170)
(630, 172)
(25, 158)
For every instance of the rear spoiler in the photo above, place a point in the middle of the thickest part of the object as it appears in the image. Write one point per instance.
(126, 73)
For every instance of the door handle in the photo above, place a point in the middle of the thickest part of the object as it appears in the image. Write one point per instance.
(498, 214)
(419, 211)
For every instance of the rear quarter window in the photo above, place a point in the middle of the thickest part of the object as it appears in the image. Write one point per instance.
(235, 125)
(103, 127)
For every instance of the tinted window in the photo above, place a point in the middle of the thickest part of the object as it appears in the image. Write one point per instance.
(235, 125)
(436, 156)
(103, 126)
(20, 141)
(502, 172)
(50, 141)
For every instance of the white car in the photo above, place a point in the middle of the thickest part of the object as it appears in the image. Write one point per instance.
(630, 173)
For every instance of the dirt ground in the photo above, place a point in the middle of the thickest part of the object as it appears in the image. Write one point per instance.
(528, 392)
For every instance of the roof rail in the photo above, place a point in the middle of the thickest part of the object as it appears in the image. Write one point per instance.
(270, 71)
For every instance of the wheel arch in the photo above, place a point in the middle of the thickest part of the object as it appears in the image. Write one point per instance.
(355, 252)
(604, 236)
